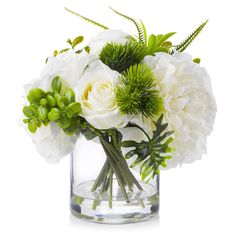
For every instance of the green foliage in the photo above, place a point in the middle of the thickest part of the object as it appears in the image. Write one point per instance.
(153, 153)
(139, 26)
(87, 19)
(183, 45)
(120, 57)
(77, 41)
(159, 43)
(56, 84)
(197, 60)
(73, 44)
(35, 95)
(55, 106)
(137, 94)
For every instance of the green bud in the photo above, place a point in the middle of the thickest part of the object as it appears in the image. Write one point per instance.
(87, 49)
(62, 102)
(64, 122)
(42, 113)
(72, 128)
(57, 96)
(70, 95)
(35, 95)
(73, 109)
(56, 84)
(54, 114)
(39, 123)
(51, 101)
(197, 60)
(163, 164)
(55, 53)
(46, 122)
(32, 125)
(28, 112)
(26, 121)
(43, 102)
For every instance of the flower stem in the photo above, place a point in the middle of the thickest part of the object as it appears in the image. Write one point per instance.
(110, 188)
(115, 165)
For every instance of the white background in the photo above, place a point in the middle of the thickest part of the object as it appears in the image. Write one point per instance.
(197, 199)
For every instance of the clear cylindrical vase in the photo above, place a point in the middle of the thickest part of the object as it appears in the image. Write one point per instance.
(105, 189)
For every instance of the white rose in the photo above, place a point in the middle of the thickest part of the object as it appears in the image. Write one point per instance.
(106, 36)
(51, 142)
(96, 94)
(189, 103)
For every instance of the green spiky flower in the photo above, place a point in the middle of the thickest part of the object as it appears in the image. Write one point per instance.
(137, 94)
(120, 57)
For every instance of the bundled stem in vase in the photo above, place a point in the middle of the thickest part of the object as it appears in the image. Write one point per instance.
(115, 165)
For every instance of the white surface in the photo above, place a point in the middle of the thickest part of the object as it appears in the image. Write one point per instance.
(197, 199)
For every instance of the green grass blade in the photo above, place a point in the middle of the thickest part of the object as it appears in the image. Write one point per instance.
(87, 19)
(182, 46)
(140, 29)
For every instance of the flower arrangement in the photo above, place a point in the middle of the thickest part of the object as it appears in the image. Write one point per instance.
(118, 84)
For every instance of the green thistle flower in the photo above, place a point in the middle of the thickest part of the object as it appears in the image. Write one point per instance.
(137, 94)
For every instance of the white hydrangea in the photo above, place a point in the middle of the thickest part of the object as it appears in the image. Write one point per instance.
(189, 103)
(69, 65)
(51, 142)
(106, 36)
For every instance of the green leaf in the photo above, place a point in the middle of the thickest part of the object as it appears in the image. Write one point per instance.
(54, 114)
(73, 109)
(158, 43)
(43, 102)
(72, 129)
(89, 134)
(51, 100)
(62, 102)
(56, 84)
(64, 50)
(42, 113)
(197, 60)
(151, 43)
(151, 154)
(164, 38)
(55, 53)
(70, 95)
(77, 41)
(167, 44)
(87, 49)
(162, 49)
(69, 41)
(32, 125)
(64, 122)
(35, 95)
(26, 121)
(39, 123)
(28, 112)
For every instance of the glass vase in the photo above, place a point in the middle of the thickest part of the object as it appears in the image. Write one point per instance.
(104, 189)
